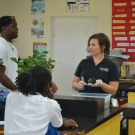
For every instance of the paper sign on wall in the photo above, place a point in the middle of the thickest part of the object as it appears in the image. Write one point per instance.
(78, 5)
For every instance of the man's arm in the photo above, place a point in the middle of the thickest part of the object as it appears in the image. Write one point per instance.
(5, 80)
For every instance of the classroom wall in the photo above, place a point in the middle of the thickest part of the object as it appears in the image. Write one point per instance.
(101, 9)
(54, 8)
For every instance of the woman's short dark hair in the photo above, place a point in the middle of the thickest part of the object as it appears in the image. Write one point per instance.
(36, 80)
(102, 40)
(5, 21)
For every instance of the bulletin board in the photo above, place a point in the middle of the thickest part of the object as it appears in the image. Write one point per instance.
(123, 27)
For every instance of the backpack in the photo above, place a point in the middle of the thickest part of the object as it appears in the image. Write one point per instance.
(3, 97)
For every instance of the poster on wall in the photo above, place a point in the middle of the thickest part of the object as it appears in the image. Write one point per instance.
(39, 46)
(37, 28)
(123, 27)
(37, 6)
(77, 5)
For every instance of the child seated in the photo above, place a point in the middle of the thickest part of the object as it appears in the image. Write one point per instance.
(30, 111)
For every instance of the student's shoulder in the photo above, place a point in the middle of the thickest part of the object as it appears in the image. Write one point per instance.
(3, 43)
(2, 40)
(13, 94)
(52, 102)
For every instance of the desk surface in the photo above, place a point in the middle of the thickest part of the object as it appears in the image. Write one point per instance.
(127, 81)
(125, 85)
(131, 89)
(86, 125)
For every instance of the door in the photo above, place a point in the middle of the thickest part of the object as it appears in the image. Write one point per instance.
(68, 47)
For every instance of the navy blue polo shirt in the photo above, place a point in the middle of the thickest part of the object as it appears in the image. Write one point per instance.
(106, 70)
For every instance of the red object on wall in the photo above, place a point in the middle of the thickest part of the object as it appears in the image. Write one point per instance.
(123, 27)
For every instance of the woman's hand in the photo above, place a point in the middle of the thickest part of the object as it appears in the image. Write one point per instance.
(81, 84)
(97, 84)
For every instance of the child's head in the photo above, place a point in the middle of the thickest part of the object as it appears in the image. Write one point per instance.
(37, 80)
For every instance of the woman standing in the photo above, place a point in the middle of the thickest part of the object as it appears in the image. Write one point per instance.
(99, 67)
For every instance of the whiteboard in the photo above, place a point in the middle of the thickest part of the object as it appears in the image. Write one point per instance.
(68, 47)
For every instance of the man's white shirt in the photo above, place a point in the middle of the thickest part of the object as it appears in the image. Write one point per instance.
(8, 51)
